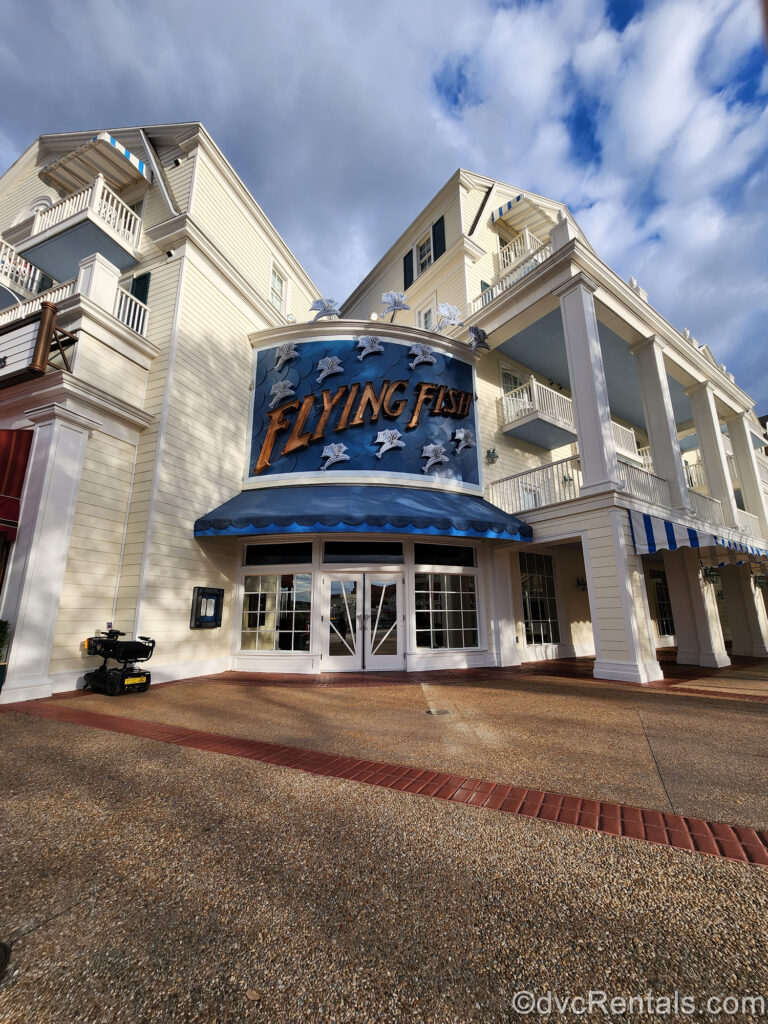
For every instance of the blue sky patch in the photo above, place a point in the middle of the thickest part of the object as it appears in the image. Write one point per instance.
(455, 85)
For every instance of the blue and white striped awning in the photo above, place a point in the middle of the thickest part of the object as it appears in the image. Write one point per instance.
(102, 154)
(651, 533)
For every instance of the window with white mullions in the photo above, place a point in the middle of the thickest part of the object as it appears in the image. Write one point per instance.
(662, 602)
(537, 581)
(446, 610)
(277, 290)
(276, 612)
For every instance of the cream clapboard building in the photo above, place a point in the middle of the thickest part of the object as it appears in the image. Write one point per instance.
(366, 493)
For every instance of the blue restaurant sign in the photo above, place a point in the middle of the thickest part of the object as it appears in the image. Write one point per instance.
(364, 405)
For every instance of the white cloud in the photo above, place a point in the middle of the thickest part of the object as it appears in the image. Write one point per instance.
(330, 114)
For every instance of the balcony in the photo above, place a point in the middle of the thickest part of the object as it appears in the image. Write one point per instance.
(522, 255)
(91, 220)
(545, 417)
(126, 308)
(17, 275)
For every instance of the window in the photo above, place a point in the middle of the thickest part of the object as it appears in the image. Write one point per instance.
(278, 554)
(277, 290)
(426, 252)
(426, 319)
(140, 287)
(443, 554)
(446, 610)
(509, 381)
(353, 552)
(539, 605)
(662, 602)
(277, 612)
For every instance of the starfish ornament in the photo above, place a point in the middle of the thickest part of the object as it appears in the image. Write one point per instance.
(285, 354)
(282, 389)
(465, 439)
(388, 439)
(434, 454)
(394, 301)
(477, 340)
(369, 346)
(324, 307)
(334, 453)
(327, 366)
(447, 316)
(423, 354)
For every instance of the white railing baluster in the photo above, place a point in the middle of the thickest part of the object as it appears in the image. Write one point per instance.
(104, 204)
(549, 484)
(747, 523)
(17, 271)
(55, 295)
(130, 311)
(516, 271)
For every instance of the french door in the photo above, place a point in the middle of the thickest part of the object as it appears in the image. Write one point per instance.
(362, 622)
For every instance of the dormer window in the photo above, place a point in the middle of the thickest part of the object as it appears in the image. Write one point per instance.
(425, 254)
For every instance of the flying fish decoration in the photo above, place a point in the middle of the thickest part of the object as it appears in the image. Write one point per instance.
(435, 456)
(464, 438)
(423, 354)
(324, 308)
(334, 453)
(285, 354)
(369, 346)
(394, 301)
(388, 439)
(477, 340)
(328, 366)
(282, 389)
(447, 316)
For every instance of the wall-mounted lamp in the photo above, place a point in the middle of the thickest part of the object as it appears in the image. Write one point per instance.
(710, 574)
(491, 456)
(374, 316)
(581, 583)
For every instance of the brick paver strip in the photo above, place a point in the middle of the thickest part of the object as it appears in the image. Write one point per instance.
(720, 840)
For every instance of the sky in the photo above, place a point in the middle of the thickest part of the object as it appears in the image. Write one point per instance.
(343, 118)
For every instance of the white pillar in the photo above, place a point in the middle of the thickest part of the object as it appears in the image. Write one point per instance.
(625, 645)
(749, 473)
(745, 609)
(97, 280)
(694, 608)
(597, 447)
(660, 418)
(507, 651)
(39, 555)
(707, 424)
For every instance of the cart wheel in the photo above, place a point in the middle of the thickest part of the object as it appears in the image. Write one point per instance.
(142, 688)
(114, 685)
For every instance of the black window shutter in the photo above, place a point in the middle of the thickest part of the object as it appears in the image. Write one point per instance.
(438, 238)
(140, 287)
(407, 270)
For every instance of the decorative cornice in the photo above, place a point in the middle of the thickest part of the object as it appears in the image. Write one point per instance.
(357, 328)
(579, 279)
(54, 411)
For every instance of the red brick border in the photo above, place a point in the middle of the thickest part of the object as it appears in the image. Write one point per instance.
(729, 841)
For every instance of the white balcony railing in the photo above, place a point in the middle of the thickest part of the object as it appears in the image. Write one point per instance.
(709, 510)
(695, 474)
(747, 523)
(102, 202)
(516, 250)
(56, 294)
(130, 311)
(513, 275)
(16, 272)
(642, 484)
(534, 488)
(762, 468)
(533, 397)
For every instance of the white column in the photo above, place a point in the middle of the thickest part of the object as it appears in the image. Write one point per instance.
(694, 608)
(597, 446)
(745, 609)
(660, 418)
(39, 554)
(711, 446)
(507, 651)
(97, 280)
(749, 473)
(621, 621)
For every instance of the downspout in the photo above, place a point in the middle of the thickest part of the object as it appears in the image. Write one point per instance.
(158, 173)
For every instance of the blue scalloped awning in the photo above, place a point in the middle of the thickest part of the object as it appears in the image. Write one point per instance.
(346, 508)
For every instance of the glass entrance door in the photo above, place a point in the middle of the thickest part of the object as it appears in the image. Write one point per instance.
(363, 622)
